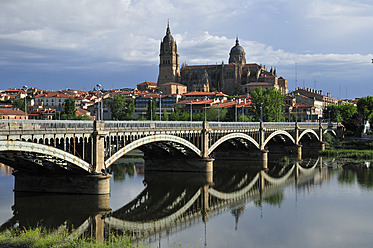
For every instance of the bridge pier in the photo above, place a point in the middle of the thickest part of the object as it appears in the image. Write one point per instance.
(67, 184)
(99, 146)
(299, 152)
(265, 158)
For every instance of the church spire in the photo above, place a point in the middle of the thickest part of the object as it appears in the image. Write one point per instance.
(168, 27)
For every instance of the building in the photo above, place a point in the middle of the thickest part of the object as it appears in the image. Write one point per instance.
(317, 95)
(236, 77)
(12, 114)
(147, 86)
(173, 89)
(50, 100)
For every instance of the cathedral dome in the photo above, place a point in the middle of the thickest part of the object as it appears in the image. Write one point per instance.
(237, 54)
(237, 48)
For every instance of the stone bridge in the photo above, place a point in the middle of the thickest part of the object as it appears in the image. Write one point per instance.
(46, 153)
(160, 210)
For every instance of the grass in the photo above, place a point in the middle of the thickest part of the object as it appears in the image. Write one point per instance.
(348, 153)
(40, 238)
(347, 149)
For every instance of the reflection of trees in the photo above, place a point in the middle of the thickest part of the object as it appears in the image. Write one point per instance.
(274, 199)
(356, 172)
(120, 171)
(346, 177)
(365, 177)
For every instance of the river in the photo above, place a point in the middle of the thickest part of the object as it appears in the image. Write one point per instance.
(313, 203)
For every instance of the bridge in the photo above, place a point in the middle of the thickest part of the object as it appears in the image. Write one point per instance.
(160, 210)
(74, 156)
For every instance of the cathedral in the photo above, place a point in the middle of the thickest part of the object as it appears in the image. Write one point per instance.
(233, 78)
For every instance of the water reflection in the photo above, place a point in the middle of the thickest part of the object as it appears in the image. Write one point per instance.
(5, 170)
(171, 203)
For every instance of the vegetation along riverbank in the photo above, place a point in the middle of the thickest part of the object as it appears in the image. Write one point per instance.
(40, 238)
(356, 149)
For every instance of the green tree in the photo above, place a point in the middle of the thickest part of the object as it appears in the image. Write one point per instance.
(270, 100)
(19, 104)
(230, 114)
(365, 108)
(69, 109)
(214, 111)
(342, 112)
(165, 115)
(121, 108)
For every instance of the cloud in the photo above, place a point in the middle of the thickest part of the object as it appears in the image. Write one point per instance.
(116, 35)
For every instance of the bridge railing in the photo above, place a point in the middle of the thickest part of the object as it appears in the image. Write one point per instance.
(30, 125)
(112, 125)
(251, 125)
(88, 125)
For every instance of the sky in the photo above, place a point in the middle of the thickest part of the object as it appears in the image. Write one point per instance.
(321, 44)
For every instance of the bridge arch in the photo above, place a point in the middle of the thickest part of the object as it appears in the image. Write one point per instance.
(23, 146)
(232, 136)
(150, 139)
(330, 131)
(308, 131)
(278, 132)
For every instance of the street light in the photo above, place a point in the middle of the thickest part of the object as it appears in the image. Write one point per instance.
(243, 113)
(160, 105)
(296, 114)
(25, 89)
(99, 116)
(218, 110)
(329, 116)
(151, 108)
(191, 112)
(235, 110)
(261, 112)
(205, 107)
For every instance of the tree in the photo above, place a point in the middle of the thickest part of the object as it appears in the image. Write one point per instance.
(19, 104)
(230, 114)
(165, 115)
(342, 112)
(365, 107)
(270, 100)
(69, 109)
(214, 111)
(121, 108)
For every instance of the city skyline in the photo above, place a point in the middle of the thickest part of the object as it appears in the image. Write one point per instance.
(315, 44)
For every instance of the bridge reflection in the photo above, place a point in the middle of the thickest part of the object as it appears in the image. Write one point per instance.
(169, 203)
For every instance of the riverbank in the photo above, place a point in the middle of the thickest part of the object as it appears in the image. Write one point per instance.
(40, 238)
(349, 148)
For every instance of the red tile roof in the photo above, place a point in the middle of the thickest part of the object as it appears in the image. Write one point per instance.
(11, 112)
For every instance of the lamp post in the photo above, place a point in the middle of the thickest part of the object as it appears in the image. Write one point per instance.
(218, 110)
(205, 107)
(243, 113)
(25, 89)
(191, 111)
(261, 112)
(235, 111)
(99, 117)
(279, 113)
(296, 114)
(160, 105)
(329, 116)
(151, 108)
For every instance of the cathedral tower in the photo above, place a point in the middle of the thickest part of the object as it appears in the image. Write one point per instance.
(168, 60)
